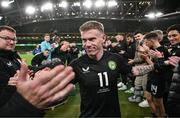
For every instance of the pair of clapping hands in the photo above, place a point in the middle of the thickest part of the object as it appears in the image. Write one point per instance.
(145, 52)
(137, 70)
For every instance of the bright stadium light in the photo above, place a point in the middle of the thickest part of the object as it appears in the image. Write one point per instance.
(47, 6)
(100, 3)
(77, 4)
(153, 15)
(63, 4)
(1, 17)
(87, 4)
(111, 3)
(30, 10)
(158, 14)
(150, 15)
(6, 3)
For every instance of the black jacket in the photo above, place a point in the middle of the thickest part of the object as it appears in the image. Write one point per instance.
(17, 106)
(11, 102)
(8, 65)
(63, 55)
(122, 46)
(130, 53)
(161, 66)
(38, 59)
(176, 50)
(174, 91)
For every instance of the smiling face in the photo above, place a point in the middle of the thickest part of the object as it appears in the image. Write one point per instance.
(174, 37)
(138, 36)
(119, 38)
(93, 40)
(65, 46)
(7, 40)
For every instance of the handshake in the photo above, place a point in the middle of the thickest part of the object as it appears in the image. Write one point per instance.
(44, 86)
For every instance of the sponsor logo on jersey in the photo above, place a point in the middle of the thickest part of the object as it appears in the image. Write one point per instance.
(9, 64)
(85, 70)
(112, 65)
(173, 53)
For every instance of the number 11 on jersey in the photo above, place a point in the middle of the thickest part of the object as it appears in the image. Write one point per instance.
(101, 79)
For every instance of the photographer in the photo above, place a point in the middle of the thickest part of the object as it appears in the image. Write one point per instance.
(62, 52)
(39, 58)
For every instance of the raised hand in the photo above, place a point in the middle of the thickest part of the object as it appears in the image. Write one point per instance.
(47, 87)
(174, 60)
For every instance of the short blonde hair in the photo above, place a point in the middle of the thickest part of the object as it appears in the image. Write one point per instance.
(92, 25)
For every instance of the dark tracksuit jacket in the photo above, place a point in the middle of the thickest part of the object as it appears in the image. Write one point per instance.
(11, 102)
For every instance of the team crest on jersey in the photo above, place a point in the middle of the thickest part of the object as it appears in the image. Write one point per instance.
(85, 70)
(112, 65)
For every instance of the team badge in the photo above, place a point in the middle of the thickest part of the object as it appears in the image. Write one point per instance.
(112, 65)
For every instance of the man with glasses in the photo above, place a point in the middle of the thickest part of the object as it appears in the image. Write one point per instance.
(24, 96)
(8, 38)
(9, 61)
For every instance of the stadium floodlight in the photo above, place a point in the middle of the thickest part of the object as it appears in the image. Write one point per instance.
(30, 10)
(111, 3)
(63, 4)
(150, 15)
(100, 3)
(1, 17)
(87, 4)
(154, 15)
(158, 14)
(6, 3)
(47, 7)
(77, 4)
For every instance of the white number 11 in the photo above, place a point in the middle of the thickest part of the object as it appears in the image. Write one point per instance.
(101, 79)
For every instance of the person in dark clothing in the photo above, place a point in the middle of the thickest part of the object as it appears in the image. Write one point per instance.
(174, 38)
(173, 97)
(62, 52)
(131, 47)
(120, 48)
(173, 103)
(155, 88)
(121, 44)
(73, 52)
(129, 55)
(96, 73)
(28, 97)
(39, 58)
(9, 63)
(107, 45)
(37, 50)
